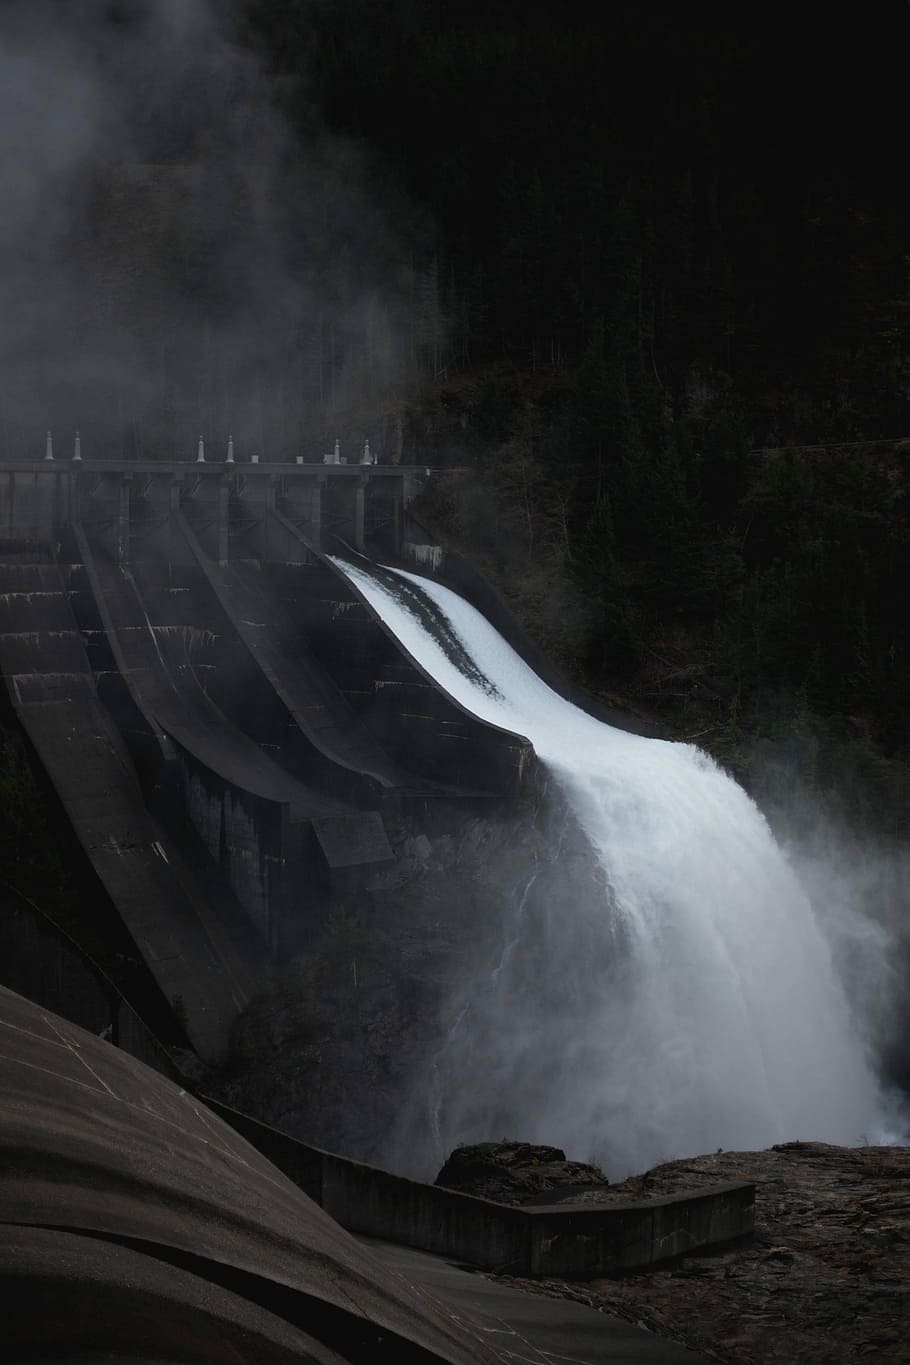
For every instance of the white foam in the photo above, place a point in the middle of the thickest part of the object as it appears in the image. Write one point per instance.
(719, 1022)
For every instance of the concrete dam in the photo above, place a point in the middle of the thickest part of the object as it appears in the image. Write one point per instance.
(231, 729)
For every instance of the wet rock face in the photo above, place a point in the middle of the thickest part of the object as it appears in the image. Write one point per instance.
(824, 1280)
(517, 1173)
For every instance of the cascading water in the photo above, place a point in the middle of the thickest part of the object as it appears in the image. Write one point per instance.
(687, 999)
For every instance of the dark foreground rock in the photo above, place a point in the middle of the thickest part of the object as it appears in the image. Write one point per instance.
(824, 1281)
(518, 1173)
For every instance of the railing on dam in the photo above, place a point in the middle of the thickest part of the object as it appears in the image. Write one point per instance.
(353, 502)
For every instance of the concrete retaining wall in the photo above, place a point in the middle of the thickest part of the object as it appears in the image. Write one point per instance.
(548, 1240)
(635, 1236)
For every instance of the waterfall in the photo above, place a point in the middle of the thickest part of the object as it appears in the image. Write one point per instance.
(685, 999)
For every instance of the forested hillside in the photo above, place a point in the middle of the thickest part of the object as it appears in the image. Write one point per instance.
(719, 196)
(671, 253)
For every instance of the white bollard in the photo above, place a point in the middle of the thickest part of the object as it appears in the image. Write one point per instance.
(200, 453)
(336, 458)
(49, 447)
(77, 448)
(230, 454)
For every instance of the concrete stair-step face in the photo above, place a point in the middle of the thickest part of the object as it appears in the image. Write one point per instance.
(237, 798)
(52, 686)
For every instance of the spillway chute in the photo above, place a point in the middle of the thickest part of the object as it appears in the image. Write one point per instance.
(688, 999)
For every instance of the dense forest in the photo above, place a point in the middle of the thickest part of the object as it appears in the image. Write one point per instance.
(669, 370)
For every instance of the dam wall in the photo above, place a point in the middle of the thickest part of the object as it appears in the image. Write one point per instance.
(231, 729)
(52, 689)
(38, 960)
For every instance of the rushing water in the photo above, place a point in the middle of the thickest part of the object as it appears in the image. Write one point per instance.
(686, 1000)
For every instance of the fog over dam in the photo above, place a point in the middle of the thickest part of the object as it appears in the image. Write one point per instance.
(690, 1000)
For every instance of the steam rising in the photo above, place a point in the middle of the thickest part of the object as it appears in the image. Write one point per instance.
(171, 258)
(689, 999)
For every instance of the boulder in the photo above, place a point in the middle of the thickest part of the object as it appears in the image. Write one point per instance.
(517, 1173)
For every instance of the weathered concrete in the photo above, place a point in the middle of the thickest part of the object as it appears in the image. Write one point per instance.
(228, 672)
(325, 735)
(155, 1230)
(39, 961)
(380, 714)
(547, 1241)
(34, 500)
(613, 1238)
(358, 503)
(254, 816)
(52, 689)
(525, 1323)
(221, 513)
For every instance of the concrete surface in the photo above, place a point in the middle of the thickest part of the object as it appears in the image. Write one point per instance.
(53, 690)
(119, 1191)
(135, 1224)
(548, 1241)
(164, 666)
(533, 1327)
(41, 962)
(253, 815)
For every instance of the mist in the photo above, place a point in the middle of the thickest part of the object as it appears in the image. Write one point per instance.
(692, 985)
(175, 258)
(858, 881)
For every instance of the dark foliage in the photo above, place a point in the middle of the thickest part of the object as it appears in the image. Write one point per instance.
(666, 241)
(738, 168)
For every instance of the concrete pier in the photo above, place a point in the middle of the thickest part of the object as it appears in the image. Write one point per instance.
(359, 505)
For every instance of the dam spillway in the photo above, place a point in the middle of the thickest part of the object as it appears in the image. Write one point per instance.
(231, 731)
(688, 999)
(234, 721)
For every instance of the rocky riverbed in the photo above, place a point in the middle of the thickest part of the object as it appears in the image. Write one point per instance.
(824, 1281)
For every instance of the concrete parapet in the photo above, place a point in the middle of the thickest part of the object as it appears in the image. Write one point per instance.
(607, 1238)
(546, 1241)
(376, 1203)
